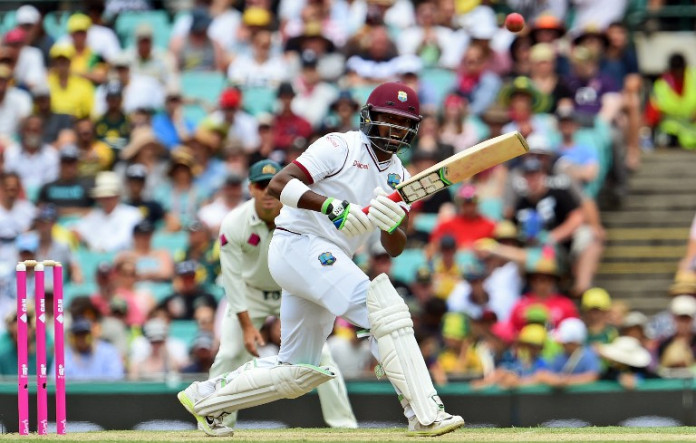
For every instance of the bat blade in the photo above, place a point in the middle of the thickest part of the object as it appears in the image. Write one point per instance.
(461, 166)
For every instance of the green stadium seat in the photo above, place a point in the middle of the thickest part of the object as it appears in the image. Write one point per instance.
(127, 22)
(72, 290)
(258, 100)
(405, 266)
(56, 23)
(441, 80)
(194, 113)
(8, 21)
(174, 242)
(425, 222)
(184, 330)
(159, 291)
(203, 85)
(90, 260)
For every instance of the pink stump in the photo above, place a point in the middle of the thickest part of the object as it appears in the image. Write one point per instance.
(22, 358)
(61, 418)
(41, 380)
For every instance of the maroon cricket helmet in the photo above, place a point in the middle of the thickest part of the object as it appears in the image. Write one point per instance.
(395, 99)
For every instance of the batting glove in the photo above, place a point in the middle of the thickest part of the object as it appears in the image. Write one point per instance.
(384, 213)
(346, 217)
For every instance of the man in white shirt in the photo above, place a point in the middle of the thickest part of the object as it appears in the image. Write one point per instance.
(261, 69)
(16, 214)
(231, 195)
(145, 59)
(231, 118)
(313, 96)
(109, 227)
(29, 71)
(15, 104)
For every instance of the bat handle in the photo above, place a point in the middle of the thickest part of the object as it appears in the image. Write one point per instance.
(394, 196)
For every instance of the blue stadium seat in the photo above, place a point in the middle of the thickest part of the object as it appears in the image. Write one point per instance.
(8, 21)
(89, 262)
(56, 23)
(184, 330)
(173, 242)
(159, 291)
(72, 290)
(441, 80)
(405, 266)
(127, 22)
(258, 100)
(194, 113)
(425, 222)
(204, 87)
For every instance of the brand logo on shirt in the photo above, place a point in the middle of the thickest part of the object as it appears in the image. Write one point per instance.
(393, 180)
(402, 96)
(359, 165)
(326, 259)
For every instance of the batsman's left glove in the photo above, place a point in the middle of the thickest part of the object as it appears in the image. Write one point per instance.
(347, 217)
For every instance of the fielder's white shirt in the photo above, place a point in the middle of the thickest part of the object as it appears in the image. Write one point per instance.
(343, 166)
(244, 240)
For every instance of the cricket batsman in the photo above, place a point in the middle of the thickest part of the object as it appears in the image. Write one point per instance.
(310, 256)
(252, 294)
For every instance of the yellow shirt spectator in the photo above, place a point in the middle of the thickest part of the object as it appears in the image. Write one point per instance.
(76, 99)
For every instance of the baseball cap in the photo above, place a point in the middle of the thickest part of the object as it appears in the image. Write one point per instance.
(263, 170)
(539, 144)
(47, 213)
(144, 30)
(596, 298)
(136, 171)
(531, 164)
(81, 326)
(78, 22)
(536, 314)
(634, 318)
(309, 59)
(155, 329)
(377, 249)
(203, 340)
(113, 88)
(196, 226)
(448, 242)
(566, 113)
(683, 305)
(571, 330)
(200, 19)
(16, 35)
(533, 335)
(69, 153)
(40, 90)
(27, 15)
(62, 50)
(285, 88)
(186, 267)
(144, 227)
(467, 193)
(423, 275)
(256, 16)
(230, 98)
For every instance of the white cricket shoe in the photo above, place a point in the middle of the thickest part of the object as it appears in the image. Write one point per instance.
(210, 425)
(442, 425)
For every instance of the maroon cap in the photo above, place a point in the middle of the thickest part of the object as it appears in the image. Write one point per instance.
(395, 98)
(17, 35)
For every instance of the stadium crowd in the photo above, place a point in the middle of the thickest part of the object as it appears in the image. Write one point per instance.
(126, 134)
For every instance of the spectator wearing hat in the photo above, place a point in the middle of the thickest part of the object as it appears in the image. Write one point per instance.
(179, 196)
(380, 262)
(29, 19)
(55, 126)
(88, 357)
(204, 144)
(429, 41)
(70, 93)
(100, 38)
(136, 175)
(16, 212)
(188, 293)
(170, 125)
(458, 128)
(203, 350)
(476, 81)
(204, 251)
(232, 121)
(525, 103)
(446, 271)
(628, 362)
(197, 51)
(29, 68)
(595, 304)
(152, 265)
(635, 324)
(579, 162)
(313, 95)
(35, 162)
(95, 155)
(85, 61)
(70, 192)
(259, 69)
(158, 363)
(545, 78)
(148, 60)
(115, 7)
(470, 296)
(15, 104)
(145, 149)
(287, 125)
(52, 247)
(468, 225)
(542, 278)
(113, 127)
(420, 290)
(109, 226)
(679, 350)
(230, 196)
(343, 114)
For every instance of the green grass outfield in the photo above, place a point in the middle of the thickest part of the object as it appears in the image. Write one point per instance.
(603, 434)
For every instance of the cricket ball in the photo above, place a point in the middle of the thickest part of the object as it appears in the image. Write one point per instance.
(514, 22)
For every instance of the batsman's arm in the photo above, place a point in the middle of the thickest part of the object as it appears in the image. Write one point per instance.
(308, 199)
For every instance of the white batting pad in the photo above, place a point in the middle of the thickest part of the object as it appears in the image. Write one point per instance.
(255, 386)
(402, 361)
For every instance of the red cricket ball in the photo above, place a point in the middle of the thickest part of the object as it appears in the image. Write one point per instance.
(514, 22)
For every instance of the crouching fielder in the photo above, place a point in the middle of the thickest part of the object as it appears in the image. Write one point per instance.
(317, 232)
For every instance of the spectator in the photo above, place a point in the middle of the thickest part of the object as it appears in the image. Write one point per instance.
(597, 13)
(579, 162)
(8, 343)
(139, 301)
(458, 128)
(205, 319)
(477, 82)
(152, 211)
(211, 173)
(16, 212)
(546, 79)
(29, 68)
(54, 125)
(314, 96)
(145, 59)
(542, 278)
(101, 38)
(70, 192)
(520, 55)
(230, 196)
(35, 162)
(170, 125)
(377, 61)
(429, 139)
(467, 226)
(446, 271)
(595, 304)
(180, 197)
(470, 296)
(380, 262)
(679, 350)
(635, 325)
(15, 104)
(233, 121)
(289, 126)
(578, 363)
(524, 103)
(29, 19)
(109, 226)
(153, 265)
(343, 114)
(158, 363)
(88, 357)
(429, 41)
(70, 93)
(261, 68)
(204, 251)
(144, 149)
(141, 347)
(203, 352)
(351, 354)
(594, 93)
(85, 62)
(50, 247)
(628, 362)
(95, 156)
(114, 327)
(197, 51)
(106, 291)
(181, 304)
(113, 127)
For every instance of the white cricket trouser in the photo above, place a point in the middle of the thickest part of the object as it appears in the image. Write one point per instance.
(335, 406)
(314, 294)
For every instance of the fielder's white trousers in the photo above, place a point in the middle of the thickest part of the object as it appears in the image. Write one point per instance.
(335, 406)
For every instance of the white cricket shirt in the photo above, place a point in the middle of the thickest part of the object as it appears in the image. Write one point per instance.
(343, 166)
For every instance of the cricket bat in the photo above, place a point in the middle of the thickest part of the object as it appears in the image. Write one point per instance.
(460, 167)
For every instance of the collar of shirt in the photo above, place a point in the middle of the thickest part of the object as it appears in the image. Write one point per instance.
(381, 165)
(254, 219)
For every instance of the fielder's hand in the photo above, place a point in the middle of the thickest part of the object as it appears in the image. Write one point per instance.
(346, 217)
(384, 213)
(252, 336)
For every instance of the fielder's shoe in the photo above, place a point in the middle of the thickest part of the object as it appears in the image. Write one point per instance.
(210, 425)
(442, 425)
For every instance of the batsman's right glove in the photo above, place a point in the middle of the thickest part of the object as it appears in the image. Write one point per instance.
(346, 217)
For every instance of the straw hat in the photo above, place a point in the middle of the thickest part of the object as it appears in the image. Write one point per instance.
(107, 184)
(140, 137)
(684, 283)
(626, 350)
